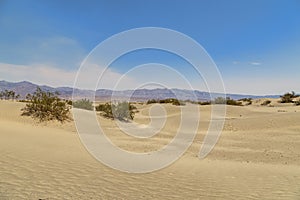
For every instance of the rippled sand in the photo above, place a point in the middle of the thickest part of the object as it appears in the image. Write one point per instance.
(257, 157)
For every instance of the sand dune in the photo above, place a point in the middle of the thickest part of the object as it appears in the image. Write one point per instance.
(257, 157)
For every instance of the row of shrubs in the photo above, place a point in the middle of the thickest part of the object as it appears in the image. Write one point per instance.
(118, 110)
(286, 98)
(173, 101)
(218, 100)
(46, 106)
(9, 94)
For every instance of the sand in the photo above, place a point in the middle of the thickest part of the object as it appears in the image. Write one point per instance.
(257, 157)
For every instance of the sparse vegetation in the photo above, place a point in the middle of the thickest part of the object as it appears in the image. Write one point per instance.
(23, 101)
(151, 101)
(204, 103)
(219, 100)
(266, 102)
(233, 102)
(173, 101)
(297, 103)
(46, 106)
(85, 104)
(69, 102)
(248, 100)
(288, 97)
(9, 94)
(190, 101)
(105, 109)
(121, 110)
(228, 101)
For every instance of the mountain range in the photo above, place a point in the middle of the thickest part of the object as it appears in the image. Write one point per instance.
(24, 87)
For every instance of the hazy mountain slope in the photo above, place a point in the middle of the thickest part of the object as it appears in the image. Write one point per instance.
(26, 87)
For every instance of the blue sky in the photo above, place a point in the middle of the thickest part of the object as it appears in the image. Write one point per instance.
(255, 44)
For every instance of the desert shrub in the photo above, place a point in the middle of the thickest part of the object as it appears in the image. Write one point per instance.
(85, 104)
(123, 110)
(248, 103)
(162, 101)
(233, 102)
(173, 101)
(288, 97)
(219, 100)
(46, 106)
(176, 102)
(245, 99)
(106, 109)
(9, 94)
(120, 110)
(190, 101)
(297, 103)
(169, 100)
(248, 100)
(265, 103)
(69, 102)
(24, 101)
(151, 101)
(228, 101)
(204, 103)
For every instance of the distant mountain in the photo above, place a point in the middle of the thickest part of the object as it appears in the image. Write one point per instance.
(23, 88)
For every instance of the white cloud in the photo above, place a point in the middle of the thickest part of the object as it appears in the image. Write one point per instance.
(264, 85)
(255, 63)
(41, 74)
(90, 75)
(54, 51)
(52, 76)
(251, 63)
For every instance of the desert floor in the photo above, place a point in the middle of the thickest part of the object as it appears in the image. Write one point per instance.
(256, 157)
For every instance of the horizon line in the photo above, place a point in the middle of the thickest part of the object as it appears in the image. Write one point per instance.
(229, 93)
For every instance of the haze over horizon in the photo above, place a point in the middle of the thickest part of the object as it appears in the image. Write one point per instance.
(255, 44)
(147, 88)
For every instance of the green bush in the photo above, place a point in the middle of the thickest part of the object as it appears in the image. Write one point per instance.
(176, 102)
(69, 102)
(297, 103)
(248, 100)
(46, 106)
(151, 101)
(173, 101)
(219, 100)
(228, 101)
(85, 104)
(233, 102)
(23, 101)
(265, 103)
(106, 109)
(204, 103)
(120, 110)
(9, 94)
(169, 100)
(288, 97)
